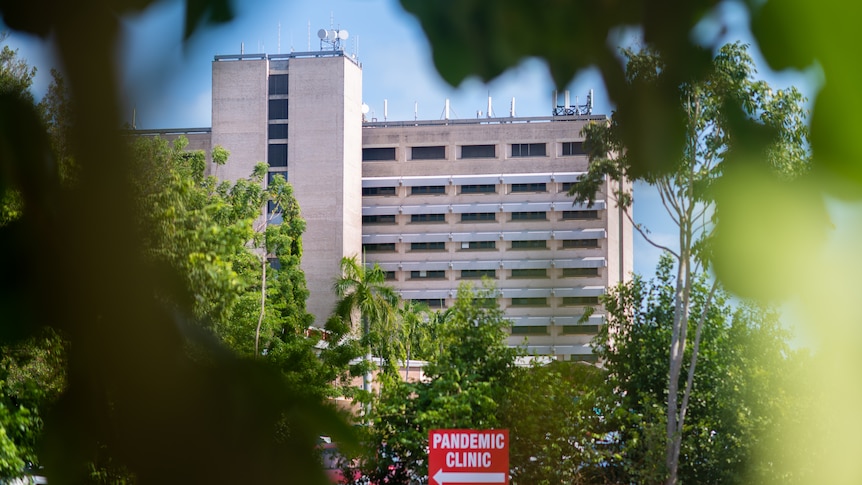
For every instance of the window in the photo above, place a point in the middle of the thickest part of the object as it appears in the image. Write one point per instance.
(278, 84)
(585, 358)
(378, 190)
(571, 148)
(566, 186)
(479, 151)
(537, 187)
(533, 301)
(478, 273)
(530, 330)
(430, 302)
(278, 132)
(378, 154)
(422, 274)
(478, 217)
(529, 216)
(479, 245)
(270, 177)
(274, 263)
(479, 189)
(537, 244)
(428, 246)
(428, 218)
(530, 273)
(427, 189)
(528, 149)
(580, 243)
(277, 155)
(580, 272)
(428, 153)
(580, 215)
(278, 109)
(380, 219)
(378, 247)
(389, 275)
(580, 300)
(580, 329)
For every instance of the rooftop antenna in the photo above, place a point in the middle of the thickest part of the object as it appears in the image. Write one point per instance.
(415, 110)
(446, 110)
(512, 109)
(278, 45)
(385, 109)
(488, 113)
(241, 48)
(332, 38)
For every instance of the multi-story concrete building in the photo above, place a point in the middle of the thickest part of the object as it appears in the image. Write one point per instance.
(434, 203)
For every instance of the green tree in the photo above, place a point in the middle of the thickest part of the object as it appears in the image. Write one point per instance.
(710, 106)
(742, 385)
(465, 379)
(369, 305)
(556, 433)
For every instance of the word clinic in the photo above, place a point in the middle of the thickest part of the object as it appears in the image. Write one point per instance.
(469, 441)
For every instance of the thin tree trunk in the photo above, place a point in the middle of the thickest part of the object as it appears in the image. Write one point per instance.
(262, 305)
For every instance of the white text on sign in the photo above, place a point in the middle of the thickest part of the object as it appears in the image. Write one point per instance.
(466, 441)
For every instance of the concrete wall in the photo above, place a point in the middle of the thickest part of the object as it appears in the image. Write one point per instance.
(239, 115)
(324, 166)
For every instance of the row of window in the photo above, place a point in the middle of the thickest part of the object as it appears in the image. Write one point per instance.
(438, 152)
(481, 245)
(462, 189)
(523, 302)
(564, 330)
(473, 274)
(576, 215)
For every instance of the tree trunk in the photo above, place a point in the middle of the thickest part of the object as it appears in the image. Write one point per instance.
(262, 305)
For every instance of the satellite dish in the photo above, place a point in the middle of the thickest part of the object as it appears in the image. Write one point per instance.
(342, 34)
(331, 35)
(365, 108)
(321, 34)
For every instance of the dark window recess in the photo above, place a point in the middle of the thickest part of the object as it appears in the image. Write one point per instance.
(580, 243)
(566, 186)
(378, 190)
(478, 273)
(270, 177)
(580, 272)
(389, 275)
(378, 247)
(428, 218)
(278, 132)
(571, 148)
(277, 155)
(379, 219)
(530, 330)
(430, 302)
(528, 149)
(479, 151)
(271, 207)
(528, 216)
(378, 154)
(278, 84)
(580, 300)
(530, 273)
(428, 153)
(537, 187)
(422, 274)
(580, 330)
(585, 358)
(531, 301)
(274, 263)
(278, 109)
(580, 215)
(428, 246)
(428, 189)
(479, 245)
(537, 244)
(478, 216)
(479, 189)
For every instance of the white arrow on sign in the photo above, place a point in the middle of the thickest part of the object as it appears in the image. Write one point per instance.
(442, 477)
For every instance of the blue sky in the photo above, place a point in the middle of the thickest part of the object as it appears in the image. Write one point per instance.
(170, 83)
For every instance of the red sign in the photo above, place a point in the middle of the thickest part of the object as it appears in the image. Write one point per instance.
(468, 456)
